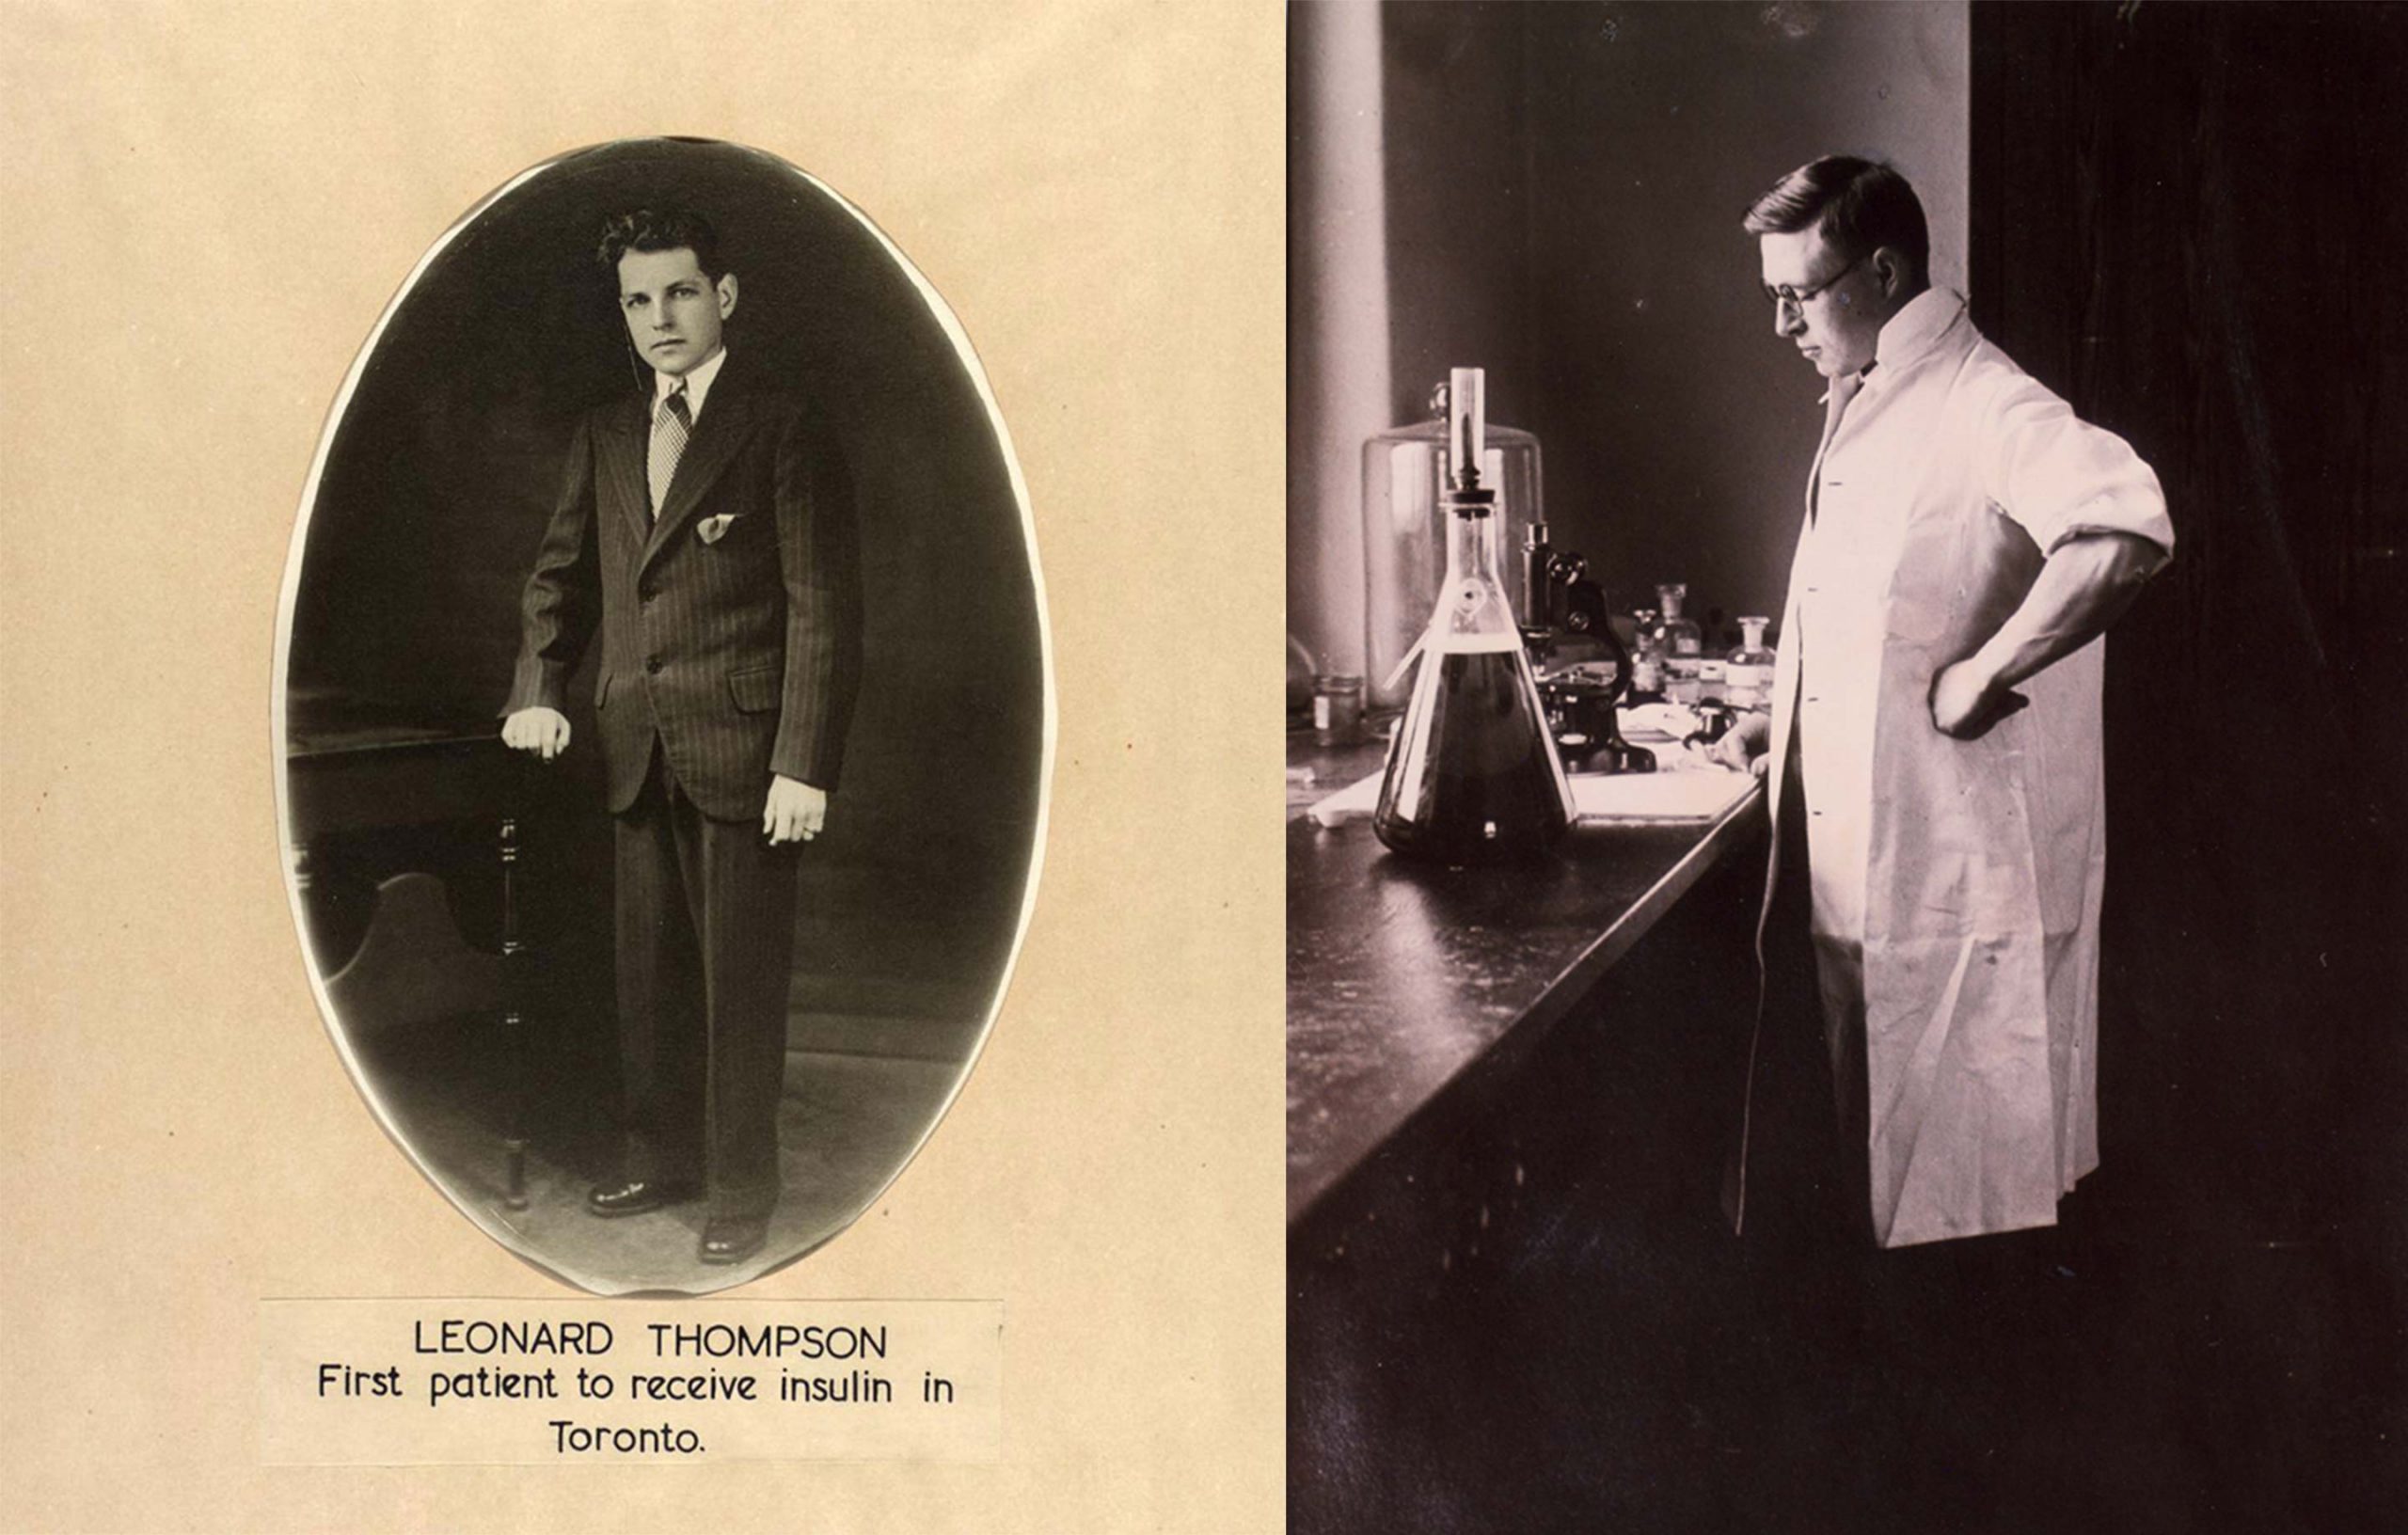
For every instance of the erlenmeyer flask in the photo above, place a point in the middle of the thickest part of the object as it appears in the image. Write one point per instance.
(1472, 775)
(1404, 535)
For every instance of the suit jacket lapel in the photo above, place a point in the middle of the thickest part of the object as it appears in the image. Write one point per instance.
(717, 436)
(623, 448)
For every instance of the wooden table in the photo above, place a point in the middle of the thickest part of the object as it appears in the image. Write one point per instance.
(395, 830)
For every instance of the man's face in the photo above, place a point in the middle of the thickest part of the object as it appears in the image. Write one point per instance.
(1838, 316)
(673, 312)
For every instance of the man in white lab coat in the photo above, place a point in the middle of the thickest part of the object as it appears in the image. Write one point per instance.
(1967, 542)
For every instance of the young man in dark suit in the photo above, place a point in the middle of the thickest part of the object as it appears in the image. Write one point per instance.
(705, 527)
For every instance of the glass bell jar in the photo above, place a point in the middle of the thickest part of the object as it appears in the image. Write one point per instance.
(1404, 534)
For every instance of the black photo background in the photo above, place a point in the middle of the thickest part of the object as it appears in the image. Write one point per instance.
(443, 470)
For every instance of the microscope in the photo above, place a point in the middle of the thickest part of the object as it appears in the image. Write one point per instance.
(1582, 666)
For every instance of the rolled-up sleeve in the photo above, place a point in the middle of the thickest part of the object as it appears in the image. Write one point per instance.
(2058, 476)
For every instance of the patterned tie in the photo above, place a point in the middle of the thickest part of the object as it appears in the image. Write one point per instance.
(670, 425)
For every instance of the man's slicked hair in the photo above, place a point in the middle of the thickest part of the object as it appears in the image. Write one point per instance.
(1857, 204)
(660, 229)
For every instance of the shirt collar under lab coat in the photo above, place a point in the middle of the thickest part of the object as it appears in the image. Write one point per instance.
(1914, 330)
(697, 380)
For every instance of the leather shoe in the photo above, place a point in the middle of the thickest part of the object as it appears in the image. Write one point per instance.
(733, 1241)
(633, 1198)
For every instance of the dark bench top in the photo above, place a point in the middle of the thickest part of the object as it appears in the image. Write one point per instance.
(1401, 977)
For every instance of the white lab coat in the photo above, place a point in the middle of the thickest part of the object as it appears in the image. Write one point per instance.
(1957, 884)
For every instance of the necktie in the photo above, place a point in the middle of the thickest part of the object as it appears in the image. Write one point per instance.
(1843, 389)
(670, 424)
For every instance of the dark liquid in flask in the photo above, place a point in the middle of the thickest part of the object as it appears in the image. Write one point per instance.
(1487, 792)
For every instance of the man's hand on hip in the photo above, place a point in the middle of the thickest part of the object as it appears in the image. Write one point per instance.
(1966, 702)
(539, 730)
(795, 812)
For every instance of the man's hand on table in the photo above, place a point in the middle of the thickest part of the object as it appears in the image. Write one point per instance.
(1743, 747)
(538, 731)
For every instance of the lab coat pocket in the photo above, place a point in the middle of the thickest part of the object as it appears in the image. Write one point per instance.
(755, 692)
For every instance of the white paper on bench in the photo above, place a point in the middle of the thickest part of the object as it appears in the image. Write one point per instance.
(1698, 796)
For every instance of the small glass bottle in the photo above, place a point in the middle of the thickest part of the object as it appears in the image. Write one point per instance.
(1679, 644)
(1338, 708)
(1749, 672)
(1712, 681)
(1646, 661)
(1472, 775)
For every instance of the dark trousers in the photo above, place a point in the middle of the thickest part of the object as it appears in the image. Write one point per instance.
(1811, 1164)
(706, 926)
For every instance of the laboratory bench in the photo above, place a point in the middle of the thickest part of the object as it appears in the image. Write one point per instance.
(1499, 1079)
(1411, 985)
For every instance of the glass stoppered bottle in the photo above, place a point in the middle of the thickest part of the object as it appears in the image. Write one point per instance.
(1749, 670)
(1647, 658)
(1680, 644)
(1472, 774)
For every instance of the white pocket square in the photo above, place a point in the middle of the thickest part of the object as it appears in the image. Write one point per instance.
(711, 529)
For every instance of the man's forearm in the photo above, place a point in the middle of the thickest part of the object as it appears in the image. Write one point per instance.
(562, 601)
(2081, 589)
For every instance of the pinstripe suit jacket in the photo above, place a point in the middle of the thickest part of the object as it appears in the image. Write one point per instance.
(741, 656)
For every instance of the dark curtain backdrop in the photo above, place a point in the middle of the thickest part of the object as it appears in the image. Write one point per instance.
(445, 461)
(2189, 219)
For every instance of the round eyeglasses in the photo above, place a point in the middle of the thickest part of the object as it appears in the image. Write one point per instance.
(1787, 297)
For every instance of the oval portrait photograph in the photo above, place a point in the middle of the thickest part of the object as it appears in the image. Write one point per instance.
(665, 715)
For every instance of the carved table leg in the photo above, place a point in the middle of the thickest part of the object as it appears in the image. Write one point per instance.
(515, 991)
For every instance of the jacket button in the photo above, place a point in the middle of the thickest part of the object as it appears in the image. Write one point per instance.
(652, 664)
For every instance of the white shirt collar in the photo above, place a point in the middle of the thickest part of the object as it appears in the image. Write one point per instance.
(697, 381)
(1916, 327)
(1906, 335)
